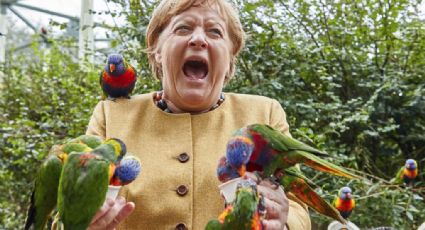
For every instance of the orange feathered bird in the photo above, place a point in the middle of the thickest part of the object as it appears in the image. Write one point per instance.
(344, 202)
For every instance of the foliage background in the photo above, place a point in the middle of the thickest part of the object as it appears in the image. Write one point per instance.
(350, 75)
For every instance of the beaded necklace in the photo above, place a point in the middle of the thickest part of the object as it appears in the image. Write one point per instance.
(160, 102)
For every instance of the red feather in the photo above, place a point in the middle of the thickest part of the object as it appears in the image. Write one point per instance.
(122, 81)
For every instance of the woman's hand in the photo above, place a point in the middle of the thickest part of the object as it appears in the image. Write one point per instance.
(111, 214)
(277, 204)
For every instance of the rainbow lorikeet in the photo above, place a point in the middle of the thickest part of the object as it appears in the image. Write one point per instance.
(259, 147)
(344, 202)
(407, 173)
(44, 195)
(118, 78)
(244, 213)
(82, 189)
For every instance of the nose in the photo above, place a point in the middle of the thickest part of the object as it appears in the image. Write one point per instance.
(198, 40)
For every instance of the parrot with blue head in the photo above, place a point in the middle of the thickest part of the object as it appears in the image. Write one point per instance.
(273, 151)
(407, 173)
(118, 78)
(344, 202)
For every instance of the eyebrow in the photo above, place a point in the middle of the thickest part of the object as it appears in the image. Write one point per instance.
(210, 20)
(213, 22)
(180, 18)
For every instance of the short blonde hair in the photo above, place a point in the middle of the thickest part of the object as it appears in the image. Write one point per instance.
(169, 8)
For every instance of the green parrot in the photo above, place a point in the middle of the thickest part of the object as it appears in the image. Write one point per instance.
(297, 184)
(82, 189)
(244, 213)
(44, 195)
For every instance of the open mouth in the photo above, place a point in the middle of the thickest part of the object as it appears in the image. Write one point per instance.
(195, 69)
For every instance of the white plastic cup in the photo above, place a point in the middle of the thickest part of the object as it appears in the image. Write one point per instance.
(113, 191)
(228, 189)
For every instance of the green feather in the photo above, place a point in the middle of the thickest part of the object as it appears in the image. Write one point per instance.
(75, 147)
(90, 140)
(82, 189)
(282, 142)
(44, 196)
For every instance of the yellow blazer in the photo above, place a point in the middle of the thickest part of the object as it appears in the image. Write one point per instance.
(177, 186)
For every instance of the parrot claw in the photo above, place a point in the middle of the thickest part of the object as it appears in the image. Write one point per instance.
(111, 99)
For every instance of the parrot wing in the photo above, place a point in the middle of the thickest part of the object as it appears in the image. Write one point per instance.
(91, 141)
(82, 189)
(294, 183)
(295, 157)
(213, 225)
(75, 146)
(399, 176)
(282, 142)
(44, 195)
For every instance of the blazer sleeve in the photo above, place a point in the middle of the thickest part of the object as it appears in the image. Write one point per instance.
(298, 216)
(97, 124)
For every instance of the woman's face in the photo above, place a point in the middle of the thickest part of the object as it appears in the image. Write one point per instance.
(194, 51)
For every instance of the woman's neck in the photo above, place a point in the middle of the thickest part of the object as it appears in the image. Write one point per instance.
(168, 106)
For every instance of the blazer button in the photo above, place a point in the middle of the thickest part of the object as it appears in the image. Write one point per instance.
(181, 226)
(182, 190)
(183, 157)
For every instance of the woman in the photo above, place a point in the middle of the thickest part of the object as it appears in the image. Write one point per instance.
(180, 133)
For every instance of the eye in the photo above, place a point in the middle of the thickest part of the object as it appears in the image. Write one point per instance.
(216, 32)
(182, 29)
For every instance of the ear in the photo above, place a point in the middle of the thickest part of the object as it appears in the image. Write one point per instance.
(158, 57)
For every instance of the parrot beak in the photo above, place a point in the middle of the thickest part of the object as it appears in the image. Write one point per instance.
(349, 195)
(112, 67)
(112, 168)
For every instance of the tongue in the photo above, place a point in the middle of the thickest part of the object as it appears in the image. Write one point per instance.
(196, 70)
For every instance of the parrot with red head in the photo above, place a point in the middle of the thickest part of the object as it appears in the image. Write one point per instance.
(118, 78)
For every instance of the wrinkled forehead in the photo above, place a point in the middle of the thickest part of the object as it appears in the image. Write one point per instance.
(199, 13)
(210, 7)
